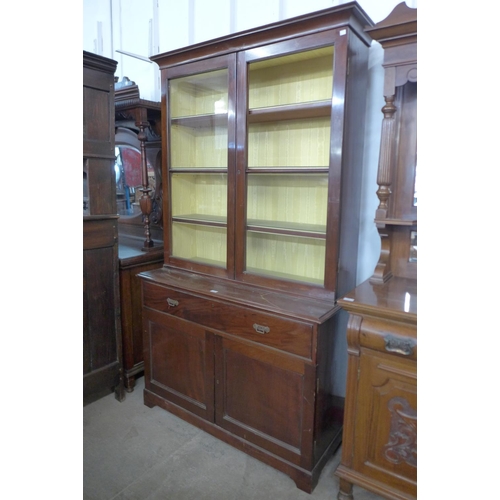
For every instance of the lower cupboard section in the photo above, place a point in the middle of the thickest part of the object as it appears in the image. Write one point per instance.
(258, 399)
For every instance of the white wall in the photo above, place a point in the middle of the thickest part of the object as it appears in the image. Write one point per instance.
(150, 27)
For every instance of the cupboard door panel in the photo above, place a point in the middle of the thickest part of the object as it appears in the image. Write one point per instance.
(179, 362)
(262, 397)
(386, 420)
(99, 339)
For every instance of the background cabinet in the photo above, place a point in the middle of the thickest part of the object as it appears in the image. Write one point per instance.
(262, 158)
(102, 358)
(379, 449)
(139, 195)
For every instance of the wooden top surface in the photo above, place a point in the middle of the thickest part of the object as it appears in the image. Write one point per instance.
(396, 299)
(243, 294)
(130, 252)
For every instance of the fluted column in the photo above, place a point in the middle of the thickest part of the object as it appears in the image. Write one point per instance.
(386, 160)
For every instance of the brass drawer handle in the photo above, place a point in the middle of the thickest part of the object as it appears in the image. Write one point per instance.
(172, 302)
(398, 345)
(261, 329)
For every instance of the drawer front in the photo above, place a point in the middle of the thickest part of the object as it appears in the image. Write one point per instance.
(252, 324)
(390, 337)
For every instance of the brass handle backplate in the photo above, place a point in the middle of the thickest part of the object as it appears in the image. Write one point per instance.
(172, 302)
(261, 329)
(399, 345)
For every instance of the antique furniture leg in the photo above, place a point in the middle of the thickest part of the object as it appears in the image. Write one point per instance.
(345, 490)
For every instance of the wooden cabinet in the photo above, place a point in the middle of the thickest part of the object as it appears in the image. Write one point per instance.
(379, 450)
(132, 261)
(139, 198)
(102, 360)
(262, 158)
(249, 365)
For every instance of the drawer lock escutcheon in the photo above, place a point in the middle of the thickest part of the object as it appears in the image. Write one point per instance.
(172, 302)
(261, 329)
(398, 345)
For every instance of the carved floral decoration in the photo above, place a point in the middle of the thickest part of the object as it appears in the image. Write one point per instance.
(402, 445)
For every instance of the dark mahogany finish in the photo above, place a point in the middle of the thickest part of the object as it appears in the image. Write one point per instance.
(251, 366)
(248, 357)
(102, 358)
(133, 260)
(341, 26)
(379, 450)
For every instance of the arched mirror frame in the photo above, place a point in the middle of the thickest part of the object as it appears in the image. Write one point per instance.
(137, 123)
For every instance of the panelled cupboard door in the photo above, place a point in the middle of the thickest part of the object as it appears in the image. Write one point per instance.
(200, 144)
(386, 420)
(179, 365)
(266, 398)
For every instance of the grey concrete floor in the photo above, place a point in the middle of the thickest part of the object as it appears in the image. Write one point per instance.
(132, 452)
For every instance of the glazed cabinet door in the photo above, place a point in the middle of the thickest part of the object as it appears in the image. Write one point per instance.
(385, 447)
(200, 157)
(265, 397)
(178, 362)
(290, 118)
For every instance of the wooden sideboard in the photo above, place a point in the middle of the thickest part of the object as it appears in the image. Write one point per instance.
(379, 450)
(379, 446)
(133, 260)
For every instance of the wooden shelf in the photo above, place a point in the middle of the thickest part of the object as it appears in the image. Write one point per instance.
(397, 222)
(202, 170)
(316, 109)
(209, 220)
(287, 170)
(277, 227)
(201, 121)
(290, 228)
(284, 276)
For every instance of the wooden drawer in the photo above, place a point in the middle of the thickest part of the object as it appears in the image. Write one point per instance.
(252, 324)
(392, 337)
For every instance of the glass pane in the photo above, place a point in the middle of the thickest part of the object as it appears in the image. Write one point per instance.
(198, 121)
(296, 78)
(289, 143)
(286, 257)
(199, 196)
(199, 147)
(202, 94)
(204, 244)
(288, 201)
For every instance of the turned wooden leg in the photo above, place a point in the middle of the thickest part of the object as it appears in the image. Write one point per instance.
(345, 491)
(129, 383)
